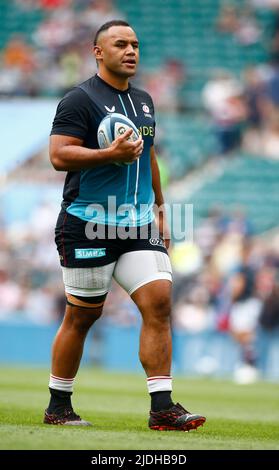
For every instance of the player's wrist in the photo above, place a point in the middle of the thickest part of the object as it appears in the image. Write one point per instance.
(106, 156)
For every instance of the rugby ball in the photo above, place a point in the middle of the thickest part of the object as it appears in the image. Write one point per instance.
(112, 126)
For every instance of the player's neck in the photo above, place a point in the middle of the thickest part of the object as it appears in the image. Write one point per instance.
(120, 83)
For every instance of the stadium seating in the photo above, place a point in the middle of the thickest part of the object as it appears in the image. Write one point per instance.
(167, 29)
(187, 30)
(248, 182)
(188, 141)
(17, 20)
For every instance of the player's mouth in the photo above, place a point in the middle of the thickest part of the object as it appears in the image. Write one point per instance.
(130, 62)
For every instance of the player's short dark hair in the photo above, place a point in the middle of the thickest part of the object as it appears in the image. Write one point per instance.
(108, 25)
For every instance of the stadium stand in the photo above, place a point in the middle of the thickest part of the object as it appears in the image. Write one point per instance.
(196, 38)
(187, 140)
(248, 182)
(17, 19)
(188, 30)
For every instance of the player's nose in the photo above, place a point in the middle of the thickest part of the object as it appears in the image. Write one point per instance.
(130, 50)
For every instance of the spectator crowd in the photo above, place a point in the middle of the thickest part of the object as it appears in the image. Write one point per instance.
(228, 280)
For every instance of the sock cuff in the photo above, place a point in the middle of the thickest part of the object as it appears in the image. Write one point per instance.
(60, 383)
(159, 383)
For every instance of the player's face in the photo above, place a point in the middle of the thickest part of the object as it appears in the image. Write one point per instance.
(118, 51)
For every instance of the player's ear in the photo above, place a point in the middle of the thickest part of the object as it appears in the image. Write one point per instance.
(97, 52)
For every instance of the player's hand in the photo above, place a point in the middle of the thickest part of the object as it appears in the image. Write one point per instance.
(165, 235)
(164, 230)
(123, 151)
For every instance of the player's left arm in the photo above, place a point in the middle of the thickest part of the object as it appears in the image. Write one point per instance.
(159, 199)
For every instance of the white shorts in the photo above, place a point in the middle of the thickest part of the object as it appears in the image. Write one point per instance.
(244, 315)
(132, 270)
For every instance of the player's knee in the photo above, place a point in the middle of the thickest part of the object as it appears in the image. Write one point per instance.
(83, 322)
(157, 309)
(162, 307)
(85, 310)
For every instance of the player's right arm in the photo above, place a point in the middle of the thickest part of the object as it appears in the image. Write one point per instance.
(68, 154)
(69, 133)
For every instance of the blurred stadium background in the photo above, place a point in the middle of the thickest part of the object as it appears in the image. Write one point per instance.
(212, 68)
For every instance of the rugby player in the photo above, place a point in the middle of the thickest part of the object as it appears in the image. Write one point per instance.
(140, 262)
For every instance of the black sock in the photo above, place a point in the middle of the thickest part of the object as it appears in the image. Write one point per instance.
(59, 401)
(161, 401)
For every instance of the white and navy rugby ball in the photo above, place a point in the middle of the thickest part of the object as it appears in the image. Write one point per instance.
(112, 126)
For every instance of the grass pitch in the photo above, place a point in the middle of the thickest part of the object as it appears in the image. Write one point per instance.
(238, 417)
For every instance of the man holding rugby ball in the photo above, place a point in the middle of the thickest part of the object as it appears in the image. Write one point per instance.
(123, 176)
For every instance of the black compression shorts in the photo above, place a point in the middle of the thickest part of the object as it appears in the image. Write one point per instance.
(76, 250)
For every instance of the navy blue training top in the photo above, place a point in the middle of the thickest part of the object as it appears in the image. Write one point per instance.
(129, 187)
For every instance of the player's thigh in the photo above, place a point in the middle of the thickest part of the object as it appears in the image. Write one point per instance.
(87, 287)
(154, 301)
(146, 275)
(135, 269)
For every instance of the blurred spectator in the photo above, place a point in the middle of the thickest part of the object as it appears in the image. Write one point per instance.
(272, 88)
(99, 12)
(227, 20)
(186, 258)
(248, 31)
(50, 4)
(269, 317)
(241, 23)
(19, 55)
(70, 65)
(245, 311)
(10, 295)
(226, 253)
(224, 100)
(10, 79)
(265, 4)
(192, 313)
(57, 31)
(274, 49)
(40, 306)
(27, 4)
(19, 68)
(235, 222)
(255, 96)
(207, 232)
(164, 85)
(265, 142)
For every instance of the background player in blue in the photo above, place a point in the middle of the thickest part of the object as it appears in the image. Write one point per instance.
(140, 264)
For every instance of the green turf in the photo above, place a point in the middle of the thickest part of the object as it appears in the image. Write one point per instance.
(238, 417)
